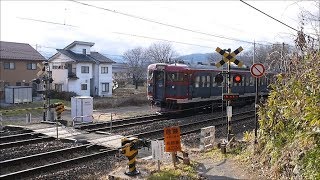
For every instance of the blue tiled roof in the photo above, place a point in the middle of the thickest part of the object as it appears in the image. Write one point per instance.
(93, 57)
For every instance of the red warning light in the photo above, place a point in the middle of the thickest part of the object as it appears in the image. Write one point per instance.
(230, 97)
(237, 78)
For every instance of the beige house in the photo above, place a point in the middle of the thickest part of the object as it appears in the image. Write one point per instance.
(18, 64)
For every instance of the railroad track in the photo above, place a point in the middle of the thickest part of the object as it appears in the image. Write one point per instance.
(16, 137)
(139, 120)
(32, 139)
(105, 125)
(16, 168)
(19, 164)
(195, 127)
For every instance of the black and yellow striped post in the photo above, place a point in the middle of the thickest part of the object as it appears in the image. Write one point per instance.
(130, 150)
(59, 107)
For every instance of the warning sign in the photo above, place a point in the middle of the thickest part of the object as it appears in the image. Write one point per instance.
(172, 139)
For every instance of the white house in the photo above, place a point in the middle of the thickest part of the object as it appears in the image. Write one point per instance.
(76, 68)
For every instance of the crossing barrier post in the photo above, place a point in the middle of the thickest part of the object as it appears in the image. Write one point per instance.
(130, 148)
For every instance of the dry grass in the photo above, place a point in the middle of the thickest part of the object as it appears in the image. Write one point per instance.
(122, 97)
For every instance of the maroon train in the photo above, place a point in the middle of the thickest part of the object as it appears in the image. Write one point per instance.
(180, 86)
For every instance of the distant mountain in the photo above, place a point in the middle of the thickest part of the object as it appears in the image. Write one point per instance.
(194, 58)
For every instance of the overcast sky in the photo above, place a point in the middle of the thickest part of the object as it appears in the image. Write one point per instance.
(107, 29)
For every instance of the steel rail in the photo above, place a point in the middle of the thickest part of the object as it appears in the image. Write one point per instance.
(29, 158)
(17, 136)
(116, 121)
(22, 142)
(126, 125)
(23, 173)
(188, 125)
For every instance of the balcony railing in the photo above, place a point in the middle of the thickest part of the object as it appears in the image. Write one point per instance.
(72, 75)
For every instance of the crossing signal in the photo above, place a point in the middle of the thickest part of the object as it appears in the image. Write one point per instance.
(237, 78)
(218, 78)
(230, 96)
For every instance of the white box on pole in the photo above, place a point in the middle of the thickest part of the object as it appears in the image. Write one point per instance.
(229, 111)
(157, 148)
(82, 106)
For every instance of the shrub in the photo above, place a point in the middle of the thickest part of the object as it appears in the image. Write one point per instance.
(64, 95)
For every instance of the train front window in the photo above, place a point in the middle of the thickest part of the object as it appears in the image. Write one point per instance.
(174, 76)
(160, 76)
(150, 75)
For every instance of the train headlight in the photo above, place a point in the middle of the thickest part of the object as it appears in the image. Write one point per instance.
(172, 87)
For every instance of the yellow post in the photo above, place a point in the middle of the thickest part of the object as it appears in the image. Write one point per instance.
(130, 150)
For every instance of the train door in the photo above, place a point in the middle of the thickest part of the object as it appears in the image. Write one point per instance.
(159, 85)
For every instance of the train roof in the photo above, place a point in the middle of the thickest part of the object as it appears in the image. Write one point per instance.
(178, 67)
(181, 67)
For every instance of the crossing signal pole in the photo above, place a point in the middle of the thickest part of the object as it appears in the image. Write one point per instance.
(229, 57)
(44, 80)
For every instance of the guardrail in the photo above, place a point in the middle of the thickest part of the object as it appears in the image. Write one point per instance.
(73, 119)
(110, 118)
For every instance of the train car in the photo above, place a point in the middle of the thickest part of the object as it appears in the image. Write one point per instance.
(179, 86)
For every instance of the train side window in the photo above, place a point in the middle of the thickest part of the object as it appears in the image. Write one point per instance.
(208, 81)
(251, 81)
(180, 77)
(203, 81)
(197, 81)
(232, 82)
(214, 84)
(247, 81)
(243, 80)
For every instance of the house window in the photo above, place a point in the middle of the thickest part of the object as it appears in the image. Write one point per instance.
(26, 84)
(105, 87)
(6, 84)
(18, 83)
(9, 65)
(84, 51)
(104, 70)
(58, 87)
(83, 86)
(84, 69)
(31, 66)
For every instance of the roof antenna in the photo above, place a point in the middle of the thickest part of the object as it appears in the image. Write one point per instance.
(65, 11)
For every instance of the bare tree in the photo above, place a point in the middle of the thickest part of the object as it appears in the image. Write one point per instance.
(161, 53)
(136, 61)
(212, 58)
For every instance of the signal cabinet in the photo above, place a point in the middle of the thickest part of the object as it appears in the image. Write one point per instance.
(82, 109)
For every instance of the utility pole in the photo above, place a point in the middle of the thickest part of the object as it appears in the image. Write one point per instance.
(229, 101)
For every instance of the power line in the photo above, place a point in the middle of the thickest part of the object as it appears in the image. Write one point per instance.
(164, 24)
(163, 40)
(273, 18)
(49, 22)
